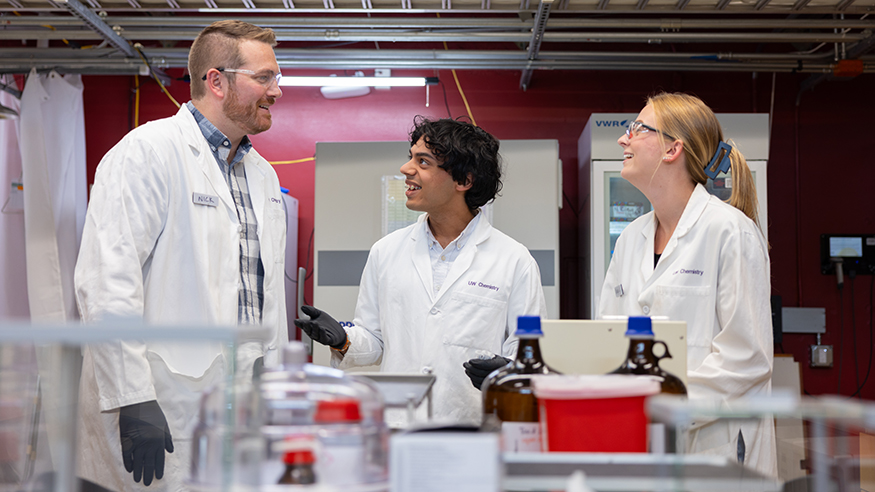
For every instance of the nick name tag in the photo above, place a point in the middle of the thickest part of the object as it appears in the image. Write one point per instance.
(208, 200)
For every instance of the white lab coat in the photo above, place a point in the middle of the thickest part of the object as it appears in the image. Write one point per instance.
(713, 274)
(13, 298)
(401, 324)
(52, 128)
(150, 250)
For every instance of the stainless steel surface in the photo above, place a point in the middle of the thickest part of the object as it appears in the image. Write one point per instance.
(400, 389)
(631, 472)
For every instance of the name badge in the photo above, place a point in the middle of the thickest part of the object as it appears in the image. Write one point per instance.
(208, 200)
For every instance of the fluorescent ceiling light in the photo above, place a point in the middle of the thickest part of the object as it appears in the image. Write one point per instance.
(290, 81)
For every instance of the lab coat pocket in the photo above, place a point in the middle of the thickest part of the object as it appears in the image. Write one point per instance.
(683, 303)
(475, 322)
(179, 394)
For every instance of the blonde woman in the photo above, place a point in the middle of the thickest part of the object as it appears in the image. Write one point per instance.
(698, 259)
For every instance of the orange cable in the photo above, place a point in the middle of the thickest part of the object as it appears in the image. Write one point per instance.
(137, 101)
(296, 161)
(459, 86)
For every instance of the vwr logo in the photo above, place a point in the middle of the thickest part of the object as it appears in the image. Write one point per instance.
(612, 123)
(346, 324)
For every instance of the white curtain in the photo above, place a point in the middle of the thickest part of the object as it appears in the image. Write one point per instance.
(53, 155)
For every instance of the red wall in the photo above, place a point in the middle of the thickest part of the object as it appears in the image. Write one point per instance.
(820, 176)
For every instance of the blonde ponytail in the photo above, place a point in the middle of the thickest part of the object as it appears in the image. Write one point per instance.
(691, 121)
(744, 192)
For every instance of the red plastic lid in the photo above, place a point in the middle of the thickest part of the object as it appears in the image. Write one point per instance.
(338, 411)
(299, 457)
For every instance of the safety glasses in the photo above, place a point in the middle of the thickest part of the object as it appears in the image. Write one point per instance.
(265, 78)
(636, 127)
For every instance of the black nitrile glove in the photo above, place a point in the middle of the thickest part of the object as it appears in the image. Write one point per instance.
(479, 369)
(144, 436)
(322, 328)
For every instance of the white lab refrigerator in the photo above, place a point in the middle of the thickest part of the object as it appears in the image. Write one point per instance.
(290, 206)
(610, 202)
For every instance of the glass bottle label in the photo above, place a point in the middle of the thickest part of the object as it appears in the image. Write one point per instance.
(521, 437)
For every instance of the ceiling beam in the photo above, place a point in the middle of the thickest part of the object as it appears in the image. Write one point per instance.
(96, 24)
(538, 31)
(800, 4)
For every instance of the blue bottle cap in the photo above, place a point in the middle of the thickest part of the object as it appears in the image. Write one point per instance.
(639, 326)
(528, 325)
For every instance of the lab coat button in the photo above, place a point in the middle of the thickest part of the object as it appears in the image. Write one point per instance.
(434, 311)
(646, 309)
(427, 370)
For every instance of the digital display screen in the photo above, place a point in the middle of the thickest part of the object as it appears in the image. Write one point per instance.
(846, 246)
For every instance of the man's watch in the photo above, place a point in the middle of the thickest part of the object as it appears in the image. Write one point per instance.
(342, 350)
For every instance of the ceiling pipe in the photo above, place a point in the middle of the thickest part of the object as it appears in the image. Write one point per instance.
(490, 37)
(484, 23)
(110, 66)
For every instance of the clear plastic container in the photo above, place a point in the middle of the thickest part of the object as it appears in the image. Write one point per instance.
(341, 414)
(227, 446)
(18, 411)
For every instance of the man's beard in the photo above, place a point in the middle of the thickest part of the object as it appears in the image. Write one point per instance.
(246, 115)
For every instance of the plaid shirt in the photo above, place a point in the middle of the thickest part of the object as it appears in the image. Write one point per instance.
(250, 295)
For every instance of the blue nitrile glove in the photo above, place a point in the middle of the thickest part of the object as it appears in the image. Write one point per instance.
(322, 328)
(479, 369)
(144, 437)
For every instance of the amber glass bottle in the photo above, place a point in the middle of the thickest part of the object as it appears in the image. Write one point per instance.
(641, 360)
(299, 468)
(508, 399)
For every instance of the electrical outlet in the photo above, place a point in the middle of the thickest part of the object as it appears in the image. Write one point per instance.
(821, 356)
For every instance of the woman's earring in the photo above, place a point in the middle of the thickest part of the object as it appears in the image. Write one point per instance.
(665, 158)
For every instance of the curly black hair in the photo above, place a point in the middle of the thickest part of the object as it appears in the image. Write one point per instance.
(464, 150)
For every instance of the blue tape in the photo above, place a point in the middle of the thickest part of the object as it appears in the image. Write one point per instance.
(725, 163)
